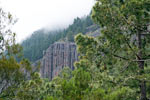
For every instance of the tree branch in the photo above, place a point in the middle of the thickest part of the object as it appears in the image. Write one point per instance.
(120, 57)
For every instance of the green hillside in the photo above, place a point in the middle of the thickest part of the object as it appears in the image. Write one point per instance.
(41, 40)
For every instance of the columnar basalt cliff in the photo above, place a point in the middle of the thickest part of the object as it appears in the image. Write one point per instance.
(56, 57)
(61, 54)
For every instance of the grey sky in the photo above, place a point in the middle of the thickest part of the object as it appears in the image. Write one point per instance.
(35, 14)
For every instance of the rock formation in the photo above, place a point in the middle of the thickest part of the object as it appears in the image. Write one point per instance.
(61, 54)
(56, 57)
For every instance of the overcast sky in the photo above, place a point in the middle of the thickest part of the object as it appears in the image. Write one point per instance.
(35, 14)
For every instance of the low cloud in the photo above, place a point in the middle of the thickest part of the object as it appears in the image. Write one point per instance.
(36, 14)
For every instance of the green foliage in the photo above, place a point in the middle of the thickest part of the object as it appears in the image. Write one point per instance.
(113, 66)
(12, 73)
(120, 50)
(121, 94)
(40, 40)
(6, 35)
(66, 73)
(32, 89)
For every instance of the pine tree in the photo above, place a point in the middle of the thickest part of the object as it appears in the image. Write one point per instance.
(125, 32)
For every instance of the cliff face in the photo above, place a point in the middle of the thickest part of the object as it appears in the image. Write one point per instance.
(56, 57)
(61, 54)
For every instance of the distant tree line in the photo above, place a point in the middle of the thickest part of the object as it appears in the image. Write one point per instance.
(41, 40)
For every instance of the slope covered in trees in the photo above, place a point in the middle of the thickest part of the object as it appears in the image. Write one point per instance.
(41, 40)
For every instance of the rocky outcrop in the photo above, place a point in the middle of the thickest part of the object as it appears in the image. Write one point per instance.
(56, 57)
(62, 54)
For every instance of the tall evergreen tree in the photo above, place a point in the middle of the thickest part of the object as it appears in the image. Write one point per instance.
(125, 32)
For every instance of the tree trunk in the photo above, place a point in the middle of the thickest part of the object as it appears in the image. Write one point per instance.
(141, 66)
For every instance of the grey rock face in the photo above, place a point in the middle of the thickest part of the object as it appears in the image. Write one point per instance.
(56, 57)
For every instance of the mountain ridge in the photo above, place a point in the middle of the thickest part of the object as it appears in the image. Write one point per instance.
(40, 41)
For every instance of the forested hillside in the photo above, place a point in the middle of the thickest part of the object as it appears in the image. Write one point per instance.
(40, 40)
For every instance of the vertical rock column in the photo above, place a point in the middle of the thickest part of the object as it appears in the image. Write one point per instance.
(56, 57)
